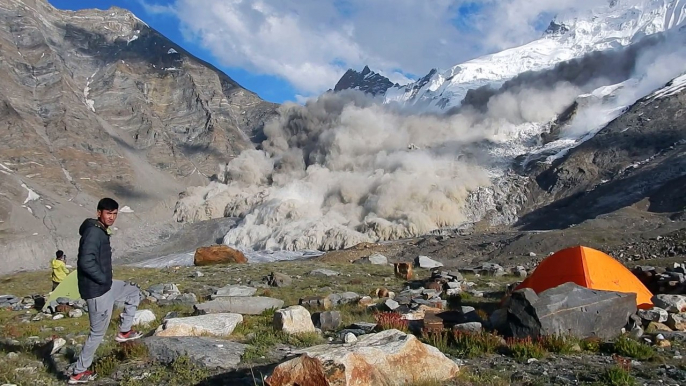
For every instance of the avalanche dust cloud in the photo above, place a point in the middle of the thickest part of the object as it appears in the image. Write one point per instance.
(345, 168)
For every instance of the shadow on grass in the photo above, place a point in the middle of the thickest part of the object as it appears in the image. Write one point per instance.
(248, 377)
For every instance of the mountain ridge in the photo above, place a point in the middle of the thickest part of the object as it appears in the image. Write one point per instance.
(96, 103)
(567, 37)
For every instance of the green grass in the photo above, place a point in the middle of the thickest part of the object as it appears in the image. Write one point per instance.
(482, 377)
(559, 344)
(630, 348)
(617, 376)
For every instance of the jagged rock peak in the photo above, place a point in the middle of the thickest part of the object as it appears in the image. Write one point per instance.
(366, 81)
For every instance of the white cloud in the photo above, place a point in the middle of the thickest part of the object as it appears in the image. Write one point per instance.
(310, 43)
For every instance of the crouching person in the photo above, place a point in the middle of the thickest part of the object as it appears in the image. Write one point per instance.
(94, 272)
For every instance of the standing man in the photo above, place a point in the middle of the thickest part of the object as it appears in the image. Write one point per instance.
(94, 270)
(59, 269)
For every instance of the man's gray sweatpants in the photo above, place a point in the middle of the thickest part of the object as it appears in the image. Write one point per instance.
(100, 313)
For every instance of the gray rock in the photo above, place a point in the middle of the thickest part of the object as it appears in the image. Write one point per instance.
(469, 314)
(212, 324)
(80, 303)
(164, 289)
(655, 314)
(350, 338)
(365, 326)
(355, 331)
(342, 298)
(185, 300)
(327, 320)
(569, 309)
(276, 279)
(324, 272)
(671, 303)
(498, 320)
(62, 300)
(391, 304)
(426, 262)
(239, 305)
(293, 320)
(471, 327)
(75, 313)
(214, 354)
(375, 258)
(144, 318)
(677, 322)
(234, 290)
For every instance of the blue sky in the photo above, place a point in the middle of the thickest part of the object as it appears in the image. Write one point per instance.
(289, 50)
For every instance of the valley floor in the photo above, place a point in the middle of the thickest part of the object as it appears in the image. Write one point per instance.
(22, 362)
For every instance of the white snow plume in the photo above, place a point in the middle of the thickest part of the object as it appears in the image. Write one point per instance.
(655, 67)
(345, 169)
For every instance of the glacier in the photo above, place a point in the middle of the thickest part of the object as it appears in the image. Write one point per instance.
(608, 26)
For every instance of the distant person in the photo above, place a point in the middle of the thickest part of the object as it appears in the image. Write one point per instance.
(94, 270)
(59, 269)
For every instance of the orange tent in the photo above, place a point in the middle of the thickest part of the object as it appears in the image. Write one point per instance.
(589, 268)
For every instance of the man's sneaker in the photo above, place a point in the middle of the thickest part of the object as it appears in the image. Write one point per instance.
(83, 377)
(127, 336)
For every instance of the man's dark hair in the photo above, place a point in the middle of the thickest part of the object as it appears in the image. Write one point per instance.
(108, 204)
(59, 254)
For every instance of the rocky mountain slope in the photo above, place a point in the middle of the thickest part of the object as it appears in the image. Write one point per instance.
(96, 103)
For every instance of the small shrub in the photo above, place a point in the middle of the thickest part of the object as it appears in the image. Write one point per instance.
(132, 350)
(186, 372)
(437, 338)
(618, 376)
(523, 349)
(591, 345)
(308, 339)
(105, 366)
(472, 345)
(254, 353)
(557, 344)
(628, 347)
(391, 320)
(482, 314)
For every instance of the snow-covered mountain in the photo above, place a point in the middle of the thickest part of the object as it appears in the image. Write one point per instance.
(573, 120)
(610, 25)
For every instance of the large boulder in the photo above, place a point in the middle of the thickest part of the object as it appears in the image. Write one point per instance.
(216, 324)
(327, 320)
(234, 290)
(375, 259)
(426, 262)
(293, 320)
(206, 352)
(654, 314)
(390, 357)
(568, 309)
(245, 305)
(218, 254)
(677, 322)
(671, 303)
